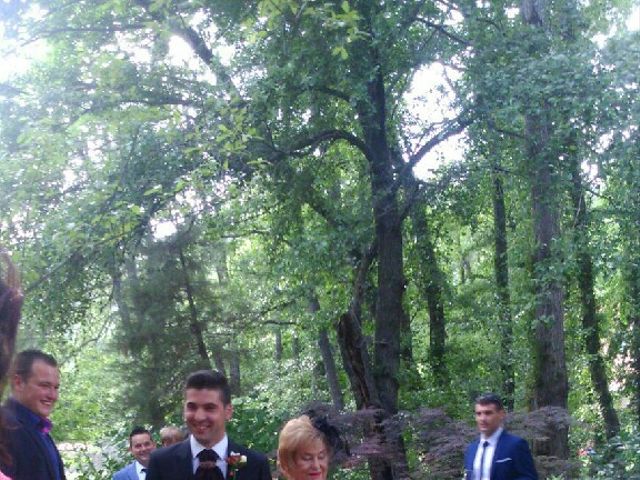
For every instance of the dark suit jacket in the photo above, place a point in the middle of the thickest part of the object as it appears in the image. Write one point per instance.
(30, 460)
(512, 459)
(176, 463)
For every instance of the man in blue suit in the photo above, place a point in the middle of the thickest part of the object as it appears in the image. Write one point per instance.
(496, 455)
(140, 445)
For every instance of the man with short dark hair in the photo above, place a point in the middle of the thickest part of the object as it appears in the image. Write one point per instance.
(35, 381)
(140, 445)
(208, 454)
(496, 455)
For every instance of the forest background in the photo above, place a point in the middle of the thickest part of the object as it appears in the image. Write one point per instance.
(232, 184)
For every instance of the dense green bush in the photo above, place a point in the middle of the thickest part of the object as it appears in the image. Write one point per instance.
(618, 459)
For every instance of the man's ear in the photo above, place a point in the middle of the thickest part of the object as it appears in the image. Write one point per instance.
(228, 412)
(16, 382)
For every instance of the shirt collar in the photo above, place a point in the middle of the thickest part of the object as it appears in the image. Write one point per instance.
(493, 439)
(43, 424)
(139, 468)
(220, 448)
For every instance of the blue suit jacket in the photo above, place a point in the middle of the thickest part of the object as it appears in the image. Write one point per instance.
(30, 460)
(176, 463)
(512, 459)
(127, 473)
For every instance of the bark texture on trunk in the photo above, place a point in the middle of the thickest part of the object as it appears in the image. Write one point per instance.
(550, 372)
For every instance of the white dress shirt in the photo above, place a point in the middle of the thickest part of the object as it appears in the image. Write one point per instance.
(141, 475)
(488, 455)
(220, 448)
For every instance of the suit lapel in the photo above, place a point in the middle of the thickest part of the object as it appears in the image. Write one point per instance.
(184, 464)
(497, 453)
(133, 475)
(236, 448)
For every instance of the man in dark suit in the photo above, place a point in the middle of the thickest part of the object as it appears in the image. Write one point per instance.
(140, 445)
(208, 453)
(496, 455)
(34, 391)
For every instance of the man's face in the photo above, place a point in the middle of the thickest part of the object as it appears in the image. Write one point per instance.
(206, 415)
(489, 418)
(141, 447)
(39, 391)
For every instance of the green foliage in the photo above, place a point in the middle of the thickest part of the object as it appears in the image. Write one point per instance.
(245, 148)
(617, 459)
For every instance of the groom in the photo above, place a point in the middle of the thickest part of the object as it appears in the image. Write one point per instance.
(208, 453)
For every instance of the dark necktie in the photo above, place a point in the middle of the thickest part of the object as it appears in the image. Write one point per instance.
(208, 470)
(485, 444)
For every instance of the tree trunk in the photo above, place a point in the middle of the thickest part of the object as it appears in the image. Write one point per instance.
(584, 262)
(277, 354)
(357, 364)
(194, 322)
(431, 284)
(590, 323)
(550, 371)
(353, 345)
(630, 232)
(330, 369)
(391, 321)
(633, 282)
(501, 269)
(389, 315)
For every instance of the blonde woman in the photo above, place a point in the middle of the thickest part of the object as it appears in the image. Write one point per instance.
(306, 446)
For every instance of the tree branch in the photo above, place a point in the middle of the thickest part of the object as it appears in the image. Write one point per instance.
(320, 137)
(440, 28)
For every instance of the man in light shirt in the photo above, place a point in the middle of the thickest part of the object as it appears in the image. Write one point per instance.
(496, 455)
(140, 445)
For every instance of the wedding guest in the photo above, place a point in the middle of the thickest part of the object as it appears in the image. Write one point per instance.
(35, 380)
(171, 435)
(496, 454)
(306, 446)
(140, 446)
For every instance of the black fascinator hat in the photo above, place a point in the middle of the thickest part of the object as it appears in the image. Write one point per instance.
(333, 438)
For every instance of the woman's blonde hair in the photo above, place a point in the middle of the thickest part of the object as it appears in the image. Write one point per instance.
(297, 433)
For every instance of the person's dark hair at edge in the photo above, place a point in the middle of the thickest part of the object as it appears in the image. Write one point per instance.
(210, 380)
(138, 430)
(24, 361)
(11, 299)
(489, 398)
